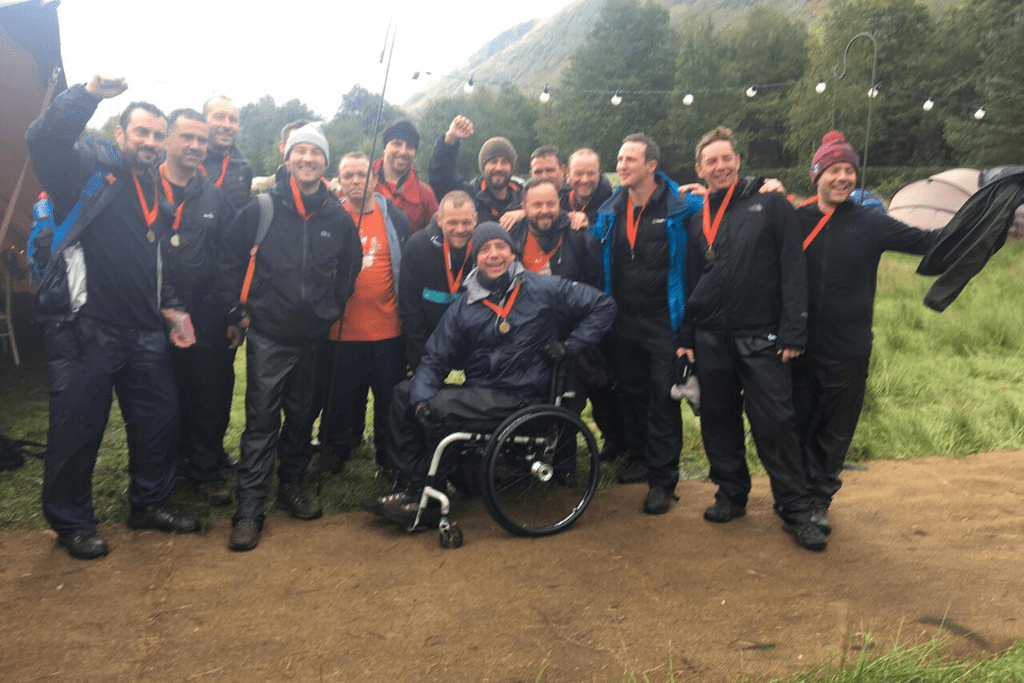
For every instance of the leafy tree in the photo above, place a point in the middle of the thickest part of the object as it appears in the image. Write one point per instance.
(261, 124)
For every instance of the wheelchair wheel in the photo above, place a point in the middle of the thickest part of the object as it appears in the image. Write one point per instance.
(540, 471)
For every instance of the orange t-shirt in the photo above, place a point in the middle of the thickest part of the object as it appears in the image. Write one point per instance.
(372, 311)
(535, 258)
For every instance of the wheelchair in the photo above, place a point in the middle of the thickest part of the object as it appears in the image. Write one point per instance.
(538, 470)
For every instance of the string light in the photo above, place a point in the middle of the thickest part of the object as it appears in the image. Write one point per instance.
(928, 104)
(752, 90)
(820, 88)
(688, 99)
(468, 88)
(617, 98)
(545, 94)
(980, 114)
(873, 91)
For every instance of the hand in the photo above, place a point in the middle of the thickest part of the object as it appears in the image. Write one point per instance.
(680, 352)
(510, 218)
(789, 354)
(425, 416)
(556, 351)
(182, 334)
(773, 185)
(236, 333)
(105, 88)
(578, 220)
(460, 129)
(696, 189)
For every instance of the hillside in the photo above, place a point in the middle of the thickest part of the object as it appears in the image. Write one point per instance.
(533, 54)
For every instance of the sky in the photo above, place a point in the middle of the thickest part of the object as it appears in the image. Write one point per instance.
(178, 54)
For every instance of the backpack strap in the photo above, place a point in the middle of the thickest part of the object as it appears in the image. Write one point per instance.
(266, 206)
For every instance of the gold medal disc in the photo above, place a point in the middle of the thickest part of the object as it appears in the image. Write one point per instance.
(709, 254)
(504, 327)
(151, 236)
(175, 240)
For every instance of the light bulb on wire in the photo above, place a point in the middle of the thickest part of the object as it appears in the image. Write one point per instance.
(617, 98)
(468, 88)
(545, 94)
(688, 99)
(928, 104)
(820, 88)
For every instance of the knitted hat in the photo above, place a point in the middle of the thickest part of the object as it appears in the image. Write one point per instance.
(834, 150)
(402, 129)
(485, 232)
(497, 147)
(312, 133)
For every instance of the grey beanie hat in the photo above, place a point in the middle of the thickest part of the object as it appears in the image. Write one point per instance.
(312, 133)
(497, 147)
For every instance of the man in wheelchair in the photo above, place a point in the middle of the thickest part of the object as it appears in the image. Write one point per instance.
(505, 331)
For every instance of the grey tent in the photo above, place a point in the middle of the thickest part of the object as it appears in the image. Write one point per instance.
(930, 203)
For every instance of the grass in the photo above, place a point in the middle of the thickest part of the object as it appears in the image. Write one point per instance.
(939, 384)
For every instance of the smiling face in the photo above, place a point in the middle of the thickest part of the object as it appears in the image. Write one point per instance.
(307, 163)
(457, 222)
(143, 140)
(719, 165)
(223, 119)
(186, 144)
(398, 157)
(835, 184)
(494, 258)
(632, 166)
(542, 207)
(584, 175)
(497, 172)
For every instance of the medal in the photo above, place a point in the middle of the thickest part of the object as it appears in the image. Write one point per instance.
(151, 236)
(711, 229)
(504, 327)
(709, 254)
(175, 240)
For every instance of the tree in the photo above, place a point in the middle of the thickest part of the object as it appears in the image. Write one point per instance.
(261, 124)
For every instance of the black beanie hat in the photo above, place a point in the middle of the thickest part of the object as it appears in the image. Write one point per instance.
(485, 232)
(402, 129)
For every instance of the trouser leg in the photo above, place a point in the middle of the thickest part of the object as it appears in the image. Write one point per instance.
(341, 413)
(721, 417)
(205, 379)
(267, 366)
(295, 452)
(389, 364)
(768, 401)
(407, 441)
(80, 381)
(828, 394)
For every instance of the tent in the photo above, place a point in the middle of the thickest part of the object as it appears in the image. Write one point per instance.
(29, 58)
(930, 203)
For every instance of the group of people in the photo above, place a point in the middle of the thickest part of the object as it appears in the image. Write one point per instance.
(159, 264)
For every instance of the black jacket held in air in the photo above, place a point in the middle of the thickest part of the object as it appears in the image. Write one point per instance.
(756, 284)
(305, 270)
(842, 273)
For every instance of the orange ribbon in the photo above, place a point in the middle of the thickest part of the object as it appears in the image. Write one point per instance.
(453, 283)
(711, 230)
(147, 213)
(504, 311)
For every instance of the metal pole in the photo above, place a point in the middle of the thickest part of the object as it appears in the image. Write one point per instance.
(874, 85)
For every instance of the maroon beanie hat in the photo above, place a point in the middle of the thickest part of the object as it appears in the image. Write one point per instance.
(834, 150)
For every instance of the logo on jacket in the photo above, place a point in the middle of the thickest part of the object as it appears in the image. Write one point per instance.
(655, 221)
(755, 208)
(324, 233)
(208, 215)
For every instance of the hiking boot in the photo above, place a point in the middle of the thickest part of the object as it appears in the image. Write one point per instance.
(820, 519)
(635, 472)
(405, 513)
(292, 498)
(723, 511)
(658, 501)
(245, 534)
(807, 535)
(609, 452)
(161, 518)
(84, 545)
(375, 504)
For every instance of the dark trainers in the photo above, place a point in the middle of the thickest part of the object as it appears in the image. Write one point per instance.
(292, 498)
(245, 534)
(405, 513)
(658, 501)
(807, 534)
(162, 518)
(375, 504)
(634, 473)
(821, 520)
(723, 511)
(84, 545)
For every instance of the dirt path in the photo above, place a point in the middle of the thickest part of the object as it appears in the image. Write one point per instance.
(348, 598)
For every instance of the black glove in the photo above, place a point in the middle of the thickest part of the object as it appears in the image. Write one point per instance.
(556, 351)
(425, 416)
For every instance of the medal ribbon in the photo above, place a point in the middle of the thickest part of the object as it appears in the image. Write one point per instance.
(711, 229)
(297, 196)
(169, 193)
(632, 226)
(147, 213)
(453, 282)
(533, 246)
(572, 201)
(223, 169)
(817, 229)
(503, 311)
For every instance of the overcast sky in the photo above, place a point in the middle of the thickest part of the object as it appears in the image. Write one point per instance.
(179, 53)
